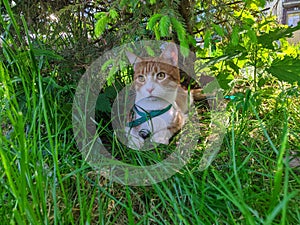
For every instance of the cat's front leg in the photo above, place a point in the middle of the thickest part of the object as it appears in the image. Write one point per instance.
(161, 137)
(134, 141)
(161, 132)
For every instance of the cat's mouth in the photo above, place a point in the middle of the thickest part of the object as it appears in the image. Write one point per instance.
(152, 98)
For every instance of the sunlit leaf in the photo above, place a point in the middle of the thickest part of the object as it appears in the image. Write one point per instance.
(207, 38)
(100, 25)
(224, 78)
(153, 20)
(178, 27)
(267, 39)
(287, 69)
(218, 29)
(150, 51)
(164, 26)
(99, 15)
(235, 36)
(184, 48)
(252, 35)
(107, 64)
(113, 14)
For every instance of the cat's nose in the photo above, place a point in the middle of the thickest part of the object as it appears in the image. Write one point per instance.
(150, 90)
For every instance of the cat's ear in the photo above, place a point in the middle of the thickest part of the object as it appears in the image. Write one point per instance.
(170, 53)
(133, 58)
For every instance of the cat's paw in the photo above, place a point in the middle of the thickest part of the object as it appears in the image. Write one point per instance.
(134, 142)
(161, 137)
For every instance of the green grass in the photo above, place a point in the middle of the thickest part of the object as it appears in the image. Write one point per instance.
(44, 180)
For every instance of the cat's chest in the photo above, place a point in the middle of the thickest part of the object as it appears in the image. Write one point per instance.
(155, 122)
(153, 114)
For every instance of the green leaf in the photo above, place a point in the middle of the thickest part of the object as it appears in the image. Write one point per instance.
(287, 69)
(111, 75)
(207, 39)
(259, 3)
(184, 48)
(153, 20)
(267, 39)
(111, 92)
(178, 27)
(123, 65)
(47, 53)
(103, 103)
(157, 32)
(164, 26)
(113, 14)
(233, 66)
(218, 29)
(100, 15)
(235, 36)
(192, 40)
(107, 64)
(100, 25)
(252, 35)
(224, 78)
(150, 51)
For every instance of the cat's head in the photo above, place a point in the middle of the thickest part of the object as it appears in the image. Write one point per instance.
(156, 77)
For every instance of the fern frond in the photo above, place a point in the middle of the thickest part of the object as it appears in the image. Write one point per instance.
(184, 47)
(113, 14)
(152, 21)
(207, 38)
(100, 25)
(179, 28)
(164, 26)
(157, 32)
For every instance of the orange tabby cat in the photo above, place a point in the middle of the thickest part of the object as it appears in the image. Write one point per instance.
(161, 104)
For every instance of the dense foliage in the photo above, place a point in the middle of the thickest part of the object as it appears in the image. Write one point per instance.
(239, 34)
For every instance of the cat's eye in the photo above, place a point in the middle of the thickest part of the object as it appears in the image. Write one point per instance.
(161, 76)
(141, 78)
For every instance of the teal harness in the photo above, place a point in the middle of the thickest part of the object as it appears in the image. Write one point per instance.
(145, 116)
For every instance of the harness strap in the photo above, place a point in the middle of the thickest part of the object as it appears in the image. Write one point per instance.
(145, 116)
